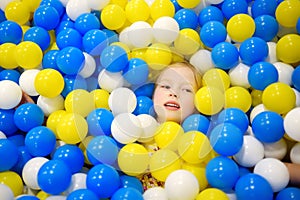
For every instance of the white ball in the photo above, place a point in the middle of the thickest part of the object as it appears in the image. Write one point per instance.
(285, 72)
(78, 182)
(26, 81)
(97, 4)
(155, 193)
(251, 152)
(214, 1)
(3, 4)
(256, 110)
(49, 105)
(89, 66)
(6, 192)
(126, 128)
(140, 34)
(291, 123)
(297, 97)
(149, 126)
(272, 56)
(110, 81)
(74, 8)
(124, 38)
(30, 172)
(276, 150)
(165, 30)
(202, 61)
(122, 100)
(2, 135)
(56, 197)
(182, 185)
(64, 2)
(10, 94)
(295, 153)
(239, 75)
(274, 171)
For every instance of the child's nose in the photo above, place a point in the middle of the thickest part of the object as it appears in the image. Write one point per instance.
(173, 94)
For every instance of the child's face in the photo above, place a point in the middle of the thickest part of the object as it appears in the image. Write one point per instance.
(173, 97)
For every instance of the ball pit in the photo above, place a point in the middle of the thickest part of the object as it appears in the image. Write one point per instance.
(77, 119)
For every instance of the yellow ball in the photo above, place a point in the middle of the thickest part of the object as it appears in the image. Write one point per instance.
(72, 128)
(212, 194)
(287, 13)
(288, 48)
(100, 98)
(83, 145)
(79, 101)
(7, 56)
(238, 97)
(163, 162)
(32, 5)
(279, 97)
(240, 27)
(209, 100)
(49, 83)
(13, 181)
(158, 56)
(160, 8)
(187, 42)
(53, 119)
(217, 78)
(167, 135)
(137, 10)
(124, 46)
(194, 147)
(121, 3)
(133, 159)
(42, 195)
(256, 97)
(28, 55)
(113, 16)
(17, 11)
(188, 3)
(199, 171)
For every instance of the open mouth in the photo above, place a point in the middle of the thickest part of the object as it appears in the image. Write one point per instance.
(172, 106)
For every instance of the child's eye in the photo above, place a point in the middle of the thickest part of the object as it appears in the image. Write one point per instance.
(187, 90)
(165, 86)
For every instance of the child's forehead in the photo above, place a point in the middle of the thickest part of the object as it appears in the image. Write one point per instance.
(175, 72)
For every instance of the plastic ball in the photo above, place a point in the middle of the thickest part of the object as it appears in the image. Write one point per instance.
(222, 173)
(100, 98)
(97, 5)
(272, 57)
(7, 124)
(17, 12)
(23, 157)
(293, 153)
(131, 182)
(54, 177)
(137, 11)
(136, 71)
(212, 33)
(158, 56)
(233, 7)
(39, 36)
(291, 123)
(28, 116)
(262, 74)
(149, 126)
(285, 72)
(99, 122)
(104, 180)
(114, 58)
(140, 34)
(9, 154)
(72, 128)
(287, 13)
(240, 27)
(162, 163)
(128, 104)
(54, 3)
(28, 55)
(289, 193)
(279, 97)
(69, 37)
(78, 182)
(10, 32)
(26, 81)
(266, 27)
(63, 25)
(217, 78)
(6, 192)
(276, 150)
(187, 42)
(212, 194)
(49, 60)
(74, 8)
(110, 81)
(13, 181)
(186, 18)
(238, 97)
(49, 105)
(210, 13)
(145, 90)
(12, 93)
(74, 82)
(46, 17)
(131, 193)
(7, 55)
(274, 171)
(295, 78)
(83, 194)
(263, 7)
(251, 153)
(94, 42)
(155, 193)
(196, 122)
(144, 106)
(161, 8)
(224, 50)
(253, 186)
(113, 16)
(86, 22)
(288, 43)
(253, 50)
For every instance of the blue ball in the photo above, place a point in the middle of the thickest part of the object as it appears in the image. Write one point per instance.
(40, 141)
(49, 60)
(71, 155)
(114, 58)
(266, 27)
(144, 106)
(111, 35)
(56, 4)
(23, 157)
(69, 37)
(233, 7)
(289, 193)
(82, 194)
(18, 139)
(10, 32)
(92, 83)
(225, 55)
(54, 177)
(222, 173)
(196, 122)
(70, 60)
(235, 116)
(7, 123)
(38, 35)
(145, 90)
(2, 16)
(28, 116)
(253, 50)
(253, 186)
(99, 122)
(86, 22)
(127, 193)
(136, 71)
(46, 17)
(298, 25)
(262, 74)
(73, 82)
(176, 5)
(210, 13)
(94, 42)
(226, 139)
(263, 7)
(296, 78)
(102, 150)
(131, 182)
(8, 154)
(104, 180)
(268, 127)
(63, 25)
(27, 197)
(186, 18)
(10, 74)
(212, 33)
